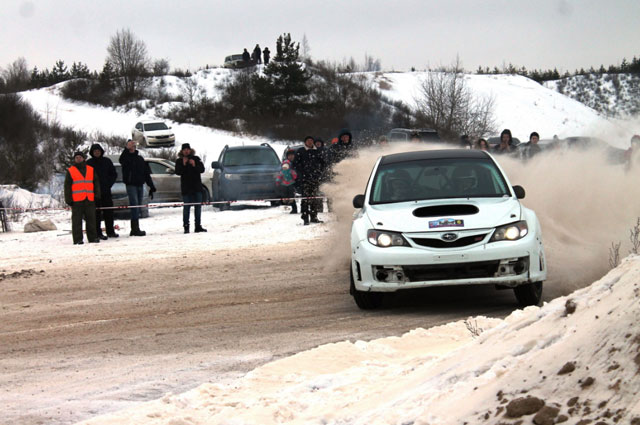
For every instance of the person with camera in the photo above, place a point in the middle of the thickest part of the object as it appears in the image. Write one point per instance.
(189, 167)
(135, 173)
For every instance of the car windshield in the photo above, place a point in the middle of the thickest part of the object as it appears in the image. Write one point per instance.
(237, 157)
(437, 179)
(153, 126)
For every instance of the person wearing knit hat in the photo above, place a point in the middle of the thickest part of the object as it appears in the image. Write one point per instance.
(107, 175)
(189, 167)
(81, 189)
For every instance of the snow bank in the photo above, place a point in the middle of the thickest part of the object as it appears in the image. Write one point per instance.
(578, 356)
(13, 196)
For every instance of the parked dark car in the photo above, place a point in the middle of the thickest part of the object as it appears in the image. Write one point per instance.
(406, 134)
(244, 173)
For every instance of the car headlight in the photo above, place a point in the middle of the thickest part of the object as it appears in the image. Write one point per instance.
(385, 239)
(231, 176)
(510, 232)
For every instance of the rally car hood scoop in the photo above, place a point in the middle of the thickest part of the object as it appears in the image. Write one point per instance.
(446, 210)
(442, 215)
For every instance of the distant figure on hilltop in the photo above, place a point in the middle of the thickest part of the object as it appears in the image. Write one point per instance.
(267, 55)
(246, 57)
(257, 54)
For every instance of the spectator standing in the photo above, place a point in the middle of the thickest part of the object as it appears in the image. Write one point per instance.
(631, 154)
(135, 173)
(107, 175)
(532, 148)
(257, 54)
(81, 189)
(342, 148)
(246, 57)
(266, 53)
(482, 145)
(189, 167)
(309, 163)
(286, 180)
(506, 142)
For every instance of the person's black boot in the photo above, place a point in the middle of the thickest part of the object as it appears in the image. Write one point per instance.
(314, 219)
(294, 208)
(186, 228)
(135, 229)
(199, 229)
(101, 236)
(305, 219)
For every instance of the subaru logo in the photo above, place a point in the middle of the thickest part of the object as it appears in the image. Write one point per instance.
(449, 237)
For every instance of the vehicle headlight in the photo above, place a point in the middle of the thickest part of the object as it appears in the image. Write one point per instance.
(231, 176)
(510, 232)
(385, 239)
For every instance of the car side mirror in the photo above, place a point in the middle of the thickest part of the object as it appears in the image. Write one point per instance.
(358, 201)
(519, 191)
(215, 165)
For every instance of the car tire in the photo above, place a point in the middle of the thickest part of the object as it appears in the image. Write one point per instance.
(365, 300)
(528, 294)
(275, 203)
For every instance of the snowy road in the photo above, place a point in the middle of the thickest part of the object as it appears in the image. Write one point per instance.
(137, 318)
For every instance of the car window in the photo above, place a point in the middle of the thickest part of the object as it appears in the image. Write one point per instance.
(139, 126)
(238, 157)
(437, 179)
(153, 126)
(158, 168)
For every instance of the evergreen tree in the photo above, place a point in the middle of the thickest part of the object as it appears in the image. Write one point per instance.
(59, 72)
(283, 89)
(79, 70)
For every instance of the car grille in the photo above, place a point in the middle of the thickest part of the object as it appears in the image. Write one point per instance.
(451, 271)
(161, 137)
(458, 243)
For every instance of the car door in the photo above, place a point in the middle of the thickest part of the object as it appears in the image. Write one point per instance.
(136, 133)
(166, 181)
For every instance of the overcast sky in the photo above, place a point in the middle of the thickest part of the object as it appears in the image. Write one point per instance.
(567, 34)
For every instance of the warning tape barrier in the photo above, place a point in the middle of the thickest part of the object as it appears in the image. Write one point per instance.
(169, 205)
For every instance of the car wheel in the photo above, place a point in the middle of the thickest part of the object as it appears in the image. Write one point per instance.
(528, 294)
(365, 300)
(275, 203)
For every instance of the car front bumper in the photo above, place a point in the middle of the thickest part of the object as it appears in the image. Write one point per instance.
(507, 263)
(153, 142)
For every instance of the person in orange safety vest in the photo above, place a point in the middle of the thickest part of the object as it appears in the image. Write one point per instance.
(81, 190)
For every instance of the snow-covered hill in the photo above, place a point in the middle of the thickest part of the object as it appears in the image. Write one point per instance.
(521, 105)
(614, 95)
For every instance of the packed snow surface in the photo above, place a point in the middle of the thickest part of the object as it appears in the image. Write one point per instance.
(577, 356)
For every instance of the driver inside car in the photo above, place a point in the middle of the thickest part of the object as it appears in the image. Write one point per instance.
(399, 185)
(464, 180)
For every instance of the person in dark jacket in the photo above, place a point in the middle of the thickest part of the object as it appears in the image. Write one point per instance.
(107, 175)
(506, 142)
(189, 167)
(342, 149)
(246, 57)
(81, 190)
(266, 53)
(532, 148)
(309, 164)
(135, 173)
(257, 54)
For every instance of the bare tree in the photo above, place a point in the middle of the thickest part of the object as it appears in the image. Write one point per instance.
(16, 76)
(128, 56)
(161, 67)
(305, 49)
(371, 64)
(447, 105)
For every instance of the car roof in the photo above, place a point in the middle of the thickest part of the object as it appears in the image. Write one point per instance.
(230, 148)
(433, 154)
(150, 121)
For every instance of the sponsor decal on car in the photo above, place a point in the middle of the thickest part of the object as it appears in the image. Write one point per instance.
(446, 222)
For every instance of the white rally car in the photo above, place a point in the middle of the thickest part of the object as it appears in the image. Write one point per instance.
(443, 217)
